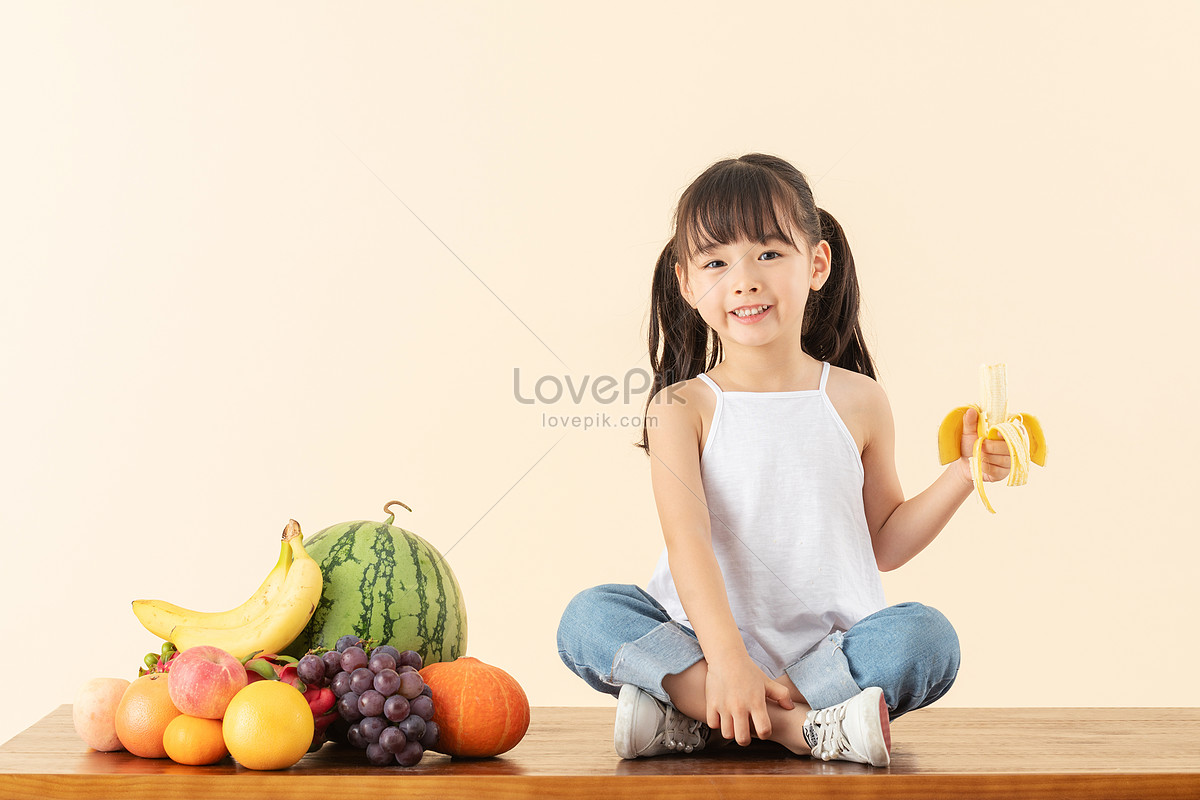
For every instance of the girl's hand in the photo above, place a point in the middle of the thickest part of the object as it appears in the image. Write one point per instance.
(736, 693)
(996, 461)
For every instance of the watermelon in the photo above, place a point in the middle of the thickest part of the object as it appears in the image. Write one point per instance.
(387, 584)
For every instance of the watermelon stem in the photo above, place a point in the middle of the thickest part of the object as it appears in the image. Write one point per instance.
(392, 514)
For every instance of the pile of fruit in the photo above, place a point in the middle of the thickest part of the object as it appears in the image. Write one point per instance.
(355, 636)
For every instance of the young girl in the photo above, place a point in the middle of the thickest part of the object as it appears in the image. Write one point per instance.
(771, 458)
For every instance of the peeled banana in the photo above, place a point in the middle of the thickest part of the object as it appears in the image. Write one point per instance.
(160, 617)
(1021, 432)
(277, 623)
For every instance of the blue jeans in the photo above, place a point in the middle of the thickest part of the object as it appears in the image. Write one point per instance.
(617, 633)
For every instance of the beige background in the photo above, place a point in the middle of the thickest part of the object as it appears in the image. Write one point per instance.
(265, 261)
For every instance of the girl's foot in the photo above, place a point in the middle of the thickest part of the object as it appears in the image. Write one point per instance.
(855, 730)
(646, 726)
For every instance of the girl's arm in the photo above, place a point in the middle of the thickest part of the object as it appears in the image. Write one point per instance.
(902, 528)
(736, 689)
(674, 438)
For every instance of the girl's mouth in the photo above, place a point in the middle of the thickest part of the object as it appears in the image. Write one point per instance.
(750, 320)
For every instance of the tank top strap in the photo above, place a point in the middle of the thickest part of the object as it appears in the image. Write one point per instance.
(824, 376)
(710, 382)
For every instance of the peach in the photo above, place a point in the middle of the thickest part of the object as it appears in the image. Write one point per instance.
(204, 679)
(95, 712)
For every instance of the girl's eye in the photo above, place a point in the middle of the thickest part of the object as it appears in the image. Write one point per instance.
(769, 252)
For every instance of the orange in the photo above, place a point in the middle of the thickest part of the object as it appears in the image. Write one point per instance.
(268, 725)
(143, 714)
(194, 740)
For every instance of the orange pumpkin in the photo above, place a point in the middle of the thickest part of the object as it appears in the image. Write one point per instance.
(480, 710)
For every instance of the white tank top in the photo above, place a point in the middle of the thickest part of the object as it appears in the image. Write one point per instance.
(783, 480)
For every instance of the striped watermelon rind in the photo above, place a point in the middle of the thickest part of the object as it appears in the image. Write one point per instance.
(384, 583)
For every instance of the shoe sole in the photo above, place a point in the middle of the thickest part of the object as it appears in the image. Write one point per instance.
(885, 724)
(877, 758)
(623, 727)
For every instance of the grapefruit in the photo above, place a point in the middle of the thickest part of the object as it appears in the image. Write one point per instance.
(143, 714)
(268, 725)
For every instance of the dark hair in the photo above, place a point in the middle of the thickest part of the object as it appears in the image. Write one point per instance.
(751, 197)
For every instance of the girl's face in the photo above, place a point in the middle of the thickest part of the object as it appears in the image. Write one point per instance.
(752, 274)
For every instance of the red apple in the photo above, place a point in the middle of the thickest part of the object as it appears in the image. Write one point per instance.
(203, 681)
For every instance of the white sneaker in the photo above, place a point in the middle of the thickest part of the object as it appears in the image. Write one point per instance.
(856, 730)
(646, 726)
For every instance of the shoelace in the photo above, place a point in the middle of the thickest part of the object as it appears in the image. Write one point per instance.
(831, 739)
(678, 726)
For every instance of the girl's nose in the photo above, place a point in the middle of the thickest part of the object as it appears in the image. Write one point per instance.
(746, 281)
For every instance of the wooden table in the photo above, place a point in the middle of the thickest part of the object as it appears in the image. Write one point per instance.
(1058, 753)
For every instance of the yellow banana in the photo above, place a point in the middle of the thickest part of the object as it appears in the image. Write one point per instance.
(279, 623)
(1021, 432)
(160, 617)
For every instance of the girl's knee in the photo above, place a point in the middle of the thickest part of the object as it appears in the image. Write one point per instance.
(586, 610)
(942, 628)
(911, 650)
(595, 596)
(577, 613)
(917, 633)
(937, 637)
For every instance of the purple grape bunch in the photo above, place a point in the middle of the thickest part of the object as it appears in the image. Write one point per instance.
(384, 705)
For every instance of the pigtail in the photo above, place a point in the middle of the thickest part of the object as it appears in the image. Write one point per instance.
(680, 339)
(831, 330)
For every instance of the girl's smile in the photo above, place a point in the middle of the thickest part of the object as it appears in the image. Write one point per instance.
(750, 319)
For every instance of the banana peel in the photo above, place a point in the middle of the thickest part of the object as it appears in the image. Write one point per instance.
(1020, 431)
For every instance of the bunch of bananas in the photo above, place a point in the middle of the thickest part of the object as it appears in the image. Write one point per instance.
(268, 621)
(1021, 432)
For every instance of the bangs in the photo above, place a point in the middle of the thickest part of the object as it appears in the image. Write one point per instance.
(737, 204)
